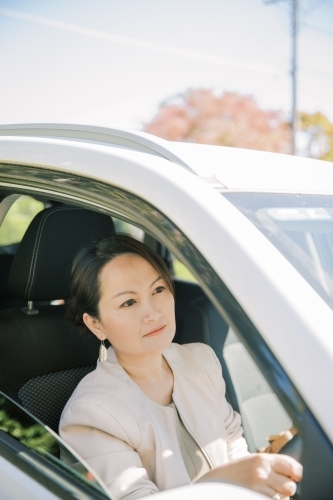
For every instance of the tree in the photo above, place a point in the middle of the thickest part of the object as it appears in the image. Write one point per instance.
(316, 136)
(229, 119)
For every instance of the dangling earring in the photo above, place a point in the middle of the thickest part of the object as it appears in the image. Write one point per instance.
(103, 354)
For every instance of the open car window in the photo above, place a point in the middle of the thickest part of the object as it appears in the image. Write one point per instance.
(180, 271)
(126, 228)
(17, 220)
(37, 447)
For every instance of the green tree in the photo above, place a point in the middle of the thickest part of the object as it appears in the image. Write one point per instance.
(29, 433)
(317, 134)
(18, 219)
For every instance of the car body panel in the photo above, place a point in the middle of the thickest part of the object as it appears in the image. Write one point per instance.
(15, 484)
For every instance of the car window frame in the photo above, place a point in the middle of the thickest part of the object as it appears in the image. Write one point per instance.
(60, 481)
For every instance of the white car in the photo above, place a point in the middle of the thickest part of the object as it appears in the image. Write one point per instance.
(249, 238)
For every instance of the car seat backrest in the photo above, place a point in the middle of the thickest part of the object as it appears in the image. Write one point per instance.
(42, 356)
(246, 388)
(43, 260)
(185, 293)
(6, 261)
(7, 254)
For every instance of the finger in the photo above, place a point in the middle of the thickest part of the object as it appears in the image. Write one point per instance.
(273, 485)
(282, 485)
(287, 466)
(270, 493)
(265, 489)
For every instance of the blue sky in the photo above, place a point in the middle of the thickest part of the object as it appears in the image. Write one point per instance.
(111, 62)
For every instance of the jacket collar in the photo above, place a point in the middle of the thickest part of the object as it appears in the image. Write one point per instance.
(171, 354)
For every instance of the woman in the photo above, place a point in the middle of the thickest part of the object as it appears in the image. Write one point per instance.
(153, 415)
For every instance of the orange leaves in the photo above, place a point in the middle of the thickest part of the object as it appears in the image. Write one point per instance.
(229, 119)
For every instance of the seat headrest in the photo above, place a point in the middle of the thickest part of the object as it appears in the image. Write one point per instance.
(41, 266)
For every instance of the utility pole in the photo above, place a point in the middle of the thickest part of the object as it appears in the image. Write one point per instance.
(293, 71)
(294, 75)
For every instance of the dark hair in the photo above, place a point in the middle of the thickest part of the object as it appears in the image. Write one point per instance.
(88, 265)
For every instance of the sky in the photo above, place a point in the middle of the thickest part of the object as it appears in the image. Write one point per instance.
(113, 62)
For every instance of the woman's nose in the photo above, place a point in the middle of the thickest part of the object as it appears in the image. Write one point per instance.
(151, 313)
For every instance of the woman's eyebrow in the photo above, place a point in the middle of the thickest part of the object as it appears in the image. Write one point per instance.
(135, 293)
(124, 293)
(157, 279)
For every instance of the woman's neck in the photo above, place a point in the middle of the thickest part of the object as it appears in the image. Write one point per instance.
(152, 374)
(143, 368)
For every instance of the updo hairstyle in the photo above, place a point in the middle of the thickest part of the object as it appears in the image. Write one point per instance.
(87, 267)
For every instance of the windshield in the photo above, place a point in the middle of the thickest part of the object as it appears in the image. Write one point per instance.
(301, 227)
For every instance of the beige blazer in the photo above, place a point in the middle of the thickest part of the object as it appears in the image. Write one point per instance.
(131, 441)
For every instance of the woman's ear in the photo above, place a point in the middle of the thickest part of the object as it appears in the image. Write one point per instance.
(94, 326)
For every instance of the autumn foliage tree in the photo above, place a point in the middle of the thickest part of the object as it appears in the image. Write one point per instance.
(228, 119)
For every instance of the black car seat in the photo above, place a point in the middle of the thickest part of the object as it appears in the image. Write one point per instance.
(246, 388)
(7, 254)
(42, 356)
(185, 293)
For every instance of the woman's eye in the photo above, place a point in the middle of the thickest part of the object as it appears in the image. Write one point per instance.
(128, 303)
(159, 289)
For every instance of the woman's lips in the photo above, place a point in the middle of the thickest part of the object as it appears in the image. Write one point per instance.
(156, 331)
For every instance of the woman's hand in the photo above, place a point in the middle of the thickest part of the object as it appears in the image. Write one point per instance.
(271, 475)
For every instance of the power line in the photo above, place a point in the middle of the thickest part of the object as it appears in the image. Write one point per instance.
(315, 4)
(319, 29)
(141, 44)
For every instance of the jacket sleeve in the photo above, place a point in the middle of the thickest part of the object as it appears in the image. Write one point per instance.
(236, 444)
(115, 461)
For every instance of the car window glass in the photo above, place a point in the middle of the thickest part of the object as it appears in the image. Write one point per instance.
(44, 443)
(17, 220)
(300, 227)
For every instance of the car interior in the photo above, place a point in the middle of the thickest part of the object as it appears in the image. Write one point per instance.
(43, 357)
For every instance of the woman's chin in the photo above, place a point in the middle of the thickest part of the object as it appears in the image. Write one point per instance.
(158, 341)
(149, 344)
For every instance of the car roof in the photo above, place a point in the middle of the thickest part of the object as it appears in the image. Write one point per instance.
(126, 139)
(224, 168)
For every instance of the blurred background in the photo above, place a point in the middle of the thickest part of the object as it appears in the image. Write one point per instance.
(255, 74)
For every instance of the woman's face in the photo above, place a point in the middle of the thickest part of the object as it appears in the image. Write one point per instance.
(136, 308)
